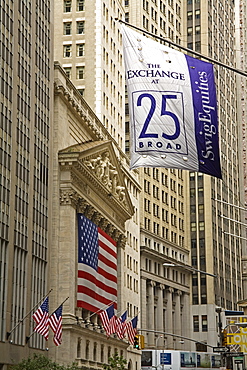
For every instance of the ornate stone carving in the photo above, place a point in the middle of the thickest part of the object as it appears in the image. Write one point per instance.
(103, 223)
(109, 229)
(107, 173)
(82, 205)
(69, 196)
(121, 242)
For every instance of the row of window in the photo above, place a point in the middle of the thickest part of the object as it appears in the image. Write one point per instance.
(132, 283)
(166, 250)
(131, 262)
(67, 6)
(80, 27)
(80, 72)
(67, 50)
(200, 323)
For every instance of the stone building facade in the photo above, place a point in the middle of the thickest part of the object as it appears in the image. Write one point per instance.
(89, 178)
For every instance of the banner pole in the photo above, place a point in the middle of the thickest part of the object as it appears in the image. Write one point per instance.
(185, 49)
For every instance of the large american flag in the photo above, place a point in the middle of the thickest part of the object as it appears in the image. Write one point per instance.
(131, 328)
(41, 317)
(121, 325)
(108, 319)
(55, 322)
(97, 266)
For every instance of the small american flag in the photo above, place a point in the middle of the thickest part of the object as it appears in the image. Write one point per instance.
(97, 267)
(41, 317)
(108, 319)
(131, 328)
(55, 322)
(121, 325)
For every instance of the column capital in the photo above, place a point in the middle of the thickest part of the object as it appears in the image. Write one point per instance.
(151, 283)
(170, 290)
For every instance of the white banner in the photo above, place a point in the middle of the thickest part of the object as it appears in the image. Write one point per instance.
(173, 107)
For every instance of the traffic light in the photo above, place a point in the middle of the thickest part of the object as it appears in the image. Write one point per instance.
(139, 341)
(136, 342)
(224, 338)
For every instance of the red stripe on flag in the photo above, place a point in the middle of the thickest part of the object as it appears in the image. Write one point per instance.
(92, 293)
(100, 284)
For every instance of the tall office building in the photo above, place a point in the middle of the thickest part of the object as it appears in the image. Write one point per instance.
(165, 290)
(241, 65)
(26, 42)
(215, 227)
(88, 45)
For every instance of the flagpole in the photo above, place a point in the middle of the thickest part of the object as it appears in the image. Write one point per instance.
(101, 309)
(184, 48)
(20, 321)
(27, 338)
(59, 306)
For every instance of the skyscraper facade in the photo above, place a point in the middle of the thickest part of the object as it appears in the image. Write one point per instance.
(89, 50)
(26, 40)
(215, 215)
(163, 206)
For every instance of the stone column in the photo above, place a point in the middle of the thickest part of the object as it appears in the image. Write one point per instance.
(186, 317)
(160, 308)
(144, 318)
(169, 326)
(150, 311)
(177, 329)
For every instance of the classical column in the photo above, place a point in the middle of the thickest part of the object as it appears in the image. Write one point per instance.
(177, 329)
(150, 311)
(169, 326)
(186, 318)
(160, 308)
(144, 319)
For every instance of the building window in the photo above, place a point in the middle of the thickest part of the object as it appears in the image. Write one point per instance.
(197, 14)
(201, 226)
(67, 28)
(67, 6)
(80, 5)
(189, 16)
(80, 27)
(196, 323)
(204, 323)
(189, 31)
(193, 226)
(198, 46)
(67, 51)
(80, 73)
(80, 50)
(81, 91)
(198, 30)
(68, 71)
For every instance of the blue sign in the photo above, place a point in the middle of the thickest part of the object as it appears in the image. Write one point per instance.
(165, 358)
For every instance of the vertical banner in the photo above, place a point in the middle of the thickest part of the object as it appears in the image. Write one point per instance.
(173, 107)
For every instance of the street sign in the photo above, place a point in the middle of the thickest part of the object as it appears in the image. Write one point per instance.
(234, 354)
(221, 349)
(239, 361)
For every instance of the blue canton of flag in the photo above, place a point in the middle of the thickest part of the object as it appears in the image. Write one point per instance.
(89, 246)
